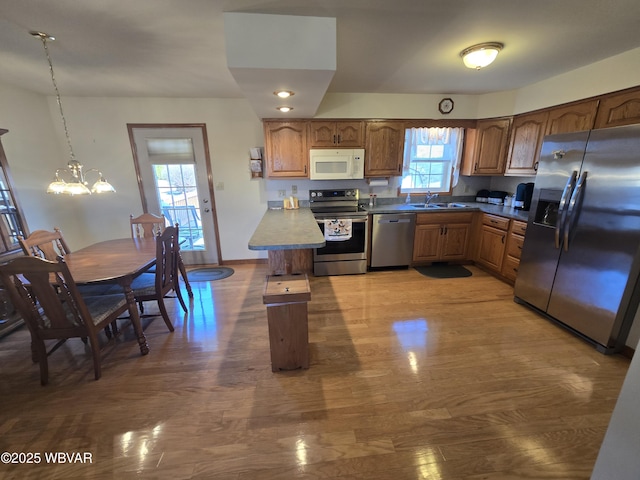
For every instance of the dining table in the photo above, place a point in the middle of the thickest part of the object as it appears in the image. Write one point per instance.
(117, 261)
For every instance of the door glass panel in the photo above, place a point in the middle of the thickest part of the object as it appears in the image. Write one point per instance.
(178, 197)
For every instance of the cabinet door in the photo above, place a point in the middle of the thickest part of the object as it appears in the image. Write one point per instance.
(572, 118)
(527, 133)
(384, 147)
(618, 109)
(350, 134)
(490, 149)
(492, 247)
(322, 134)
(336, 134)
(286, 152)
(426, 242)
(455, 242)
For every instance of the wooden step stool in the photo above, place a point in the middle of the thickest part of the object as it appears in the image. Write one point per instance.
(286, 297)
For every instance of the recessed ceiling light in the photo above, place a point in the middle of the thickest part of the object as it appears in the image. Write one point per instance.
(284, 93)
(284, 109)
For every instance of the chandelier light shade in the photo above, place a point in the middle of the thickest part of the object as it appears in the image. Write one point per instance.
(76, 184)
(481, 55)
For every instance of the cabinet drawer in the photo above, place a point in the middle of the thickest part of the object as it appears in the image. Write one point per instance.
(495, 221)
(510, 267)
(518, 227)
(514, 245)
(443, 218)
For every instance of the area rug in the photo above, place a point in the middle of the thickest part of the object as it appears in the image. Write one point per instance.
(444, 271)
(208, 274)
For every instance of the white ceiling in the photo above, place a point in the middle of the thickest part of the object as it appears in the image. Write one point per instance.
(176, 48)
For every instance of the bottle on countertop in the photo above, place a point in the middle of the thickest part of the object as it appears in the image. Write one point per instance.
(408, 200)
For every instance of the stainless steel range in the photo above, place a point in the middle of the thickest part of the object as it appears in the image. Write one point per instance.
(345, 229)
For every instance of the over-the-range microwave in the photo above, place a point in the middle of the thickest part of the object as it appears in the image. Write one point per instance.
(336, 164)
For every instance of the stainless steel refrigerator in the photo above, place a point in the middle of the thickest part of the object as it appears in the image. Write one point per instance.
(580, 264)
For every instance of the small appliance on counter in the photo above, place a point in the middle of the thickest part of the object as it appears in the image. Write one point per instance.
(482, 196)
(496, 197)
(524, 193)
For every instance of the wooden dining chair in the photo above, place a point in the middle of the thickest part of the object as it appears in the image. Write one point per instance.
(47, 298)
(52, 246)
(44, 244)
(155, 286)
(150, 225)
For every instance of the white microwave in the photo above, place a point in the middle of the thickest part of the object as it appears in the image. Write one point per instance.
(336, 164)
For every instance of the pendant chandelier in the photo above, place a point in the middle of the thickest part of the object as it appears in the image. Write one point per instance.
(76, 183)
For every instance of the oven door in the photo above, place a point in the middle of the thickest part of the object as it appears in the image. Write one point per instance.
(353, 249)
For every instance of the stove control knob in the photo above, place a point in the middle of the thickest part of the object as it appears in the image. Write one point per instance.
(313, 194)
(319, 194)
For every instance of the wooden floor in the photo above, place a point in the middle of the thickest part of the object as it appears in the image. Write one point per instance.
(410, 378)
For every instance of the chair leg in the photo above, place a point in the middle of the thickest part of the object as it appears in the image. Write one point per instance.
(183, 273)
(176, 288)
(40, 350)
(165, 314)
(95, 351)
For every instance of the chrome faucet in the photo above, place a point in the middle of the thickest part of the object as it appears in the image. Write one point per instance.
(430, 196)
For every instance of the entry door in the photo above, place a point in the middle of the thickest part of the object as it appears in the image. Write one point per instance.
(174, 175)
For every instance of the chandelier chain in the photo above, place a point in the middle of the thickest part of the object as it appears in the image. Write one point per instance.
(58, 99)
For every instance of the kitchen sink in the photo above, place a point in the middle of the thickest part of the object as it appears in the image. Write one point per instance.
(422, 205)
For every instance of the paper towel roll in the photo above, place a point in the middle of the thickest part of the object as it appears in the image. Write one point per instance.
(379, 182)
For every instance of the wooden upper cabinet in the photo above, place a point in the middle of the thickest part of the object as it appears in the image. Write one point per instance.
(572, 118)
(527, 133)
(286, 151)
(619, 109)
(486, 147)
(336, 134)
(384, 149)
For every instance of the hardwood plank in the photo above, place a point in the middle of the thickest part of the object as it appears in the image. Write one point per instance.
(409, 377)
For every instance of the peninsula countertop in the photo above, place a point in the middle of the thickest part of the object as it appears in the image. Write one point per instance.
(282, 229)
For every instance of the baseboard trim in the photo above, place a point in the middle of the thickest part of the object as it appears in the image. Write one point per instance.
(248, 261)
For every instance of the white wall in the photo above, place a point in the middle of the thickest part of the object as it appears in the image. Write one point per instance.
(99, 138)
(618, 457)
(33, 151)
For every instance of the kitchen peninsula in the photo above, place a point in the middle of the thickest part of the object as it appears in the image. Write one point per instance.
(290, 237)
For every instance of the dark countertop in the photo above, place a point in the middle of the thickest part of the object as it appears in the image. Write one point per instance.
(469, 206)
(287, 230)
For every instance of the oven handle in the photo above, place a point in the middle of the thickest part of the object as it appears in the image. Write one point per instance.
(354, 220)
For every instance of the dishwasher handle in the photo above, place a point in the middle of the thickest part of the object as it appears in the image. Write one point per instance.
(394, 220)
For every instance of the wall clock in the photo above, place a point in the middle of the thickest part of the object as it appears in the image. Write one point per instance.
(445, 106)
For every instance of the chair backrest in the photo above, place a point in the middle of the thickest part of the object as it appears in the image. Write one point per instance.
(146, 225)
(46, 296)
(167, 253)
(45, 244)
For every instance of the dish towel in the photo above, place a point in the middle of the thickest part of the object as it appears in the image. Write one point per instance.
(338, 229)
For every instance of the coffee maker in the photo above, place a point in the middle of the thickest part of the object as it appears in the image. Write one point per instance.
(524, 192)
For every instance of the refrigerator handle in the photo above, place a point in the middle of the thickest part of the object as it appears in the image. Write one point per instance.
(571, 213)
(562, 208)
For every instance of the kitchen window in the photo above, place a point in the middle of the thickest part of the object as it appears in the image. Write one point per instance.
(432, 158)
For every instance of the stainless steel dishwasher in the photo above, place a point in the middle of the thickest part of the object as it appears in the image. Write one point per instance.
(392, 239)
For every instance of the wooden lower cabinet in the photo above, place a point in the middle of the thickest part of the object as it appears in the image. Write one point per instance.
(441, 237)
(492, 241)
(513, 251)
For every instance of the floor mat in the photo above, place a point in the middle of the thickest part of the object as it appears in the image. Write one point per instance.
(208, 274)
(444, 271)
